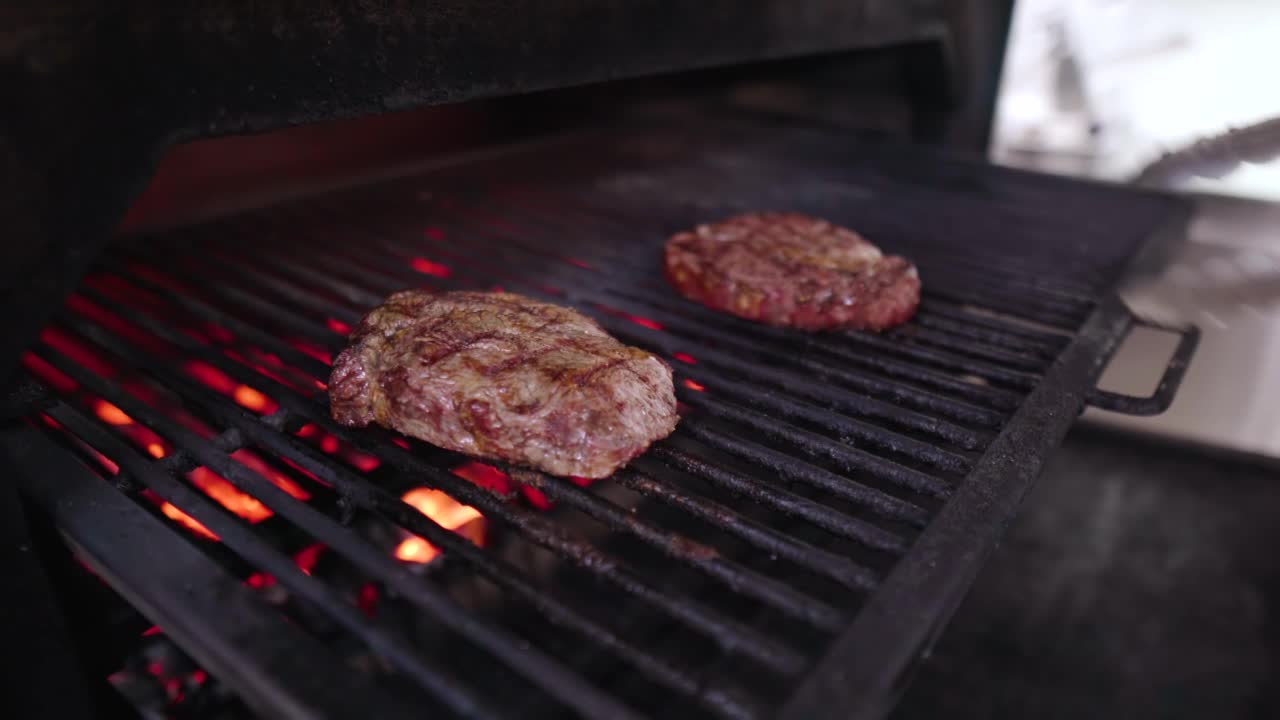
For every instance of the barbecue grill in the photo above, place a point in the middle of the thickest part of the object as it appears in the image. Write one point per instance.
(792, 551)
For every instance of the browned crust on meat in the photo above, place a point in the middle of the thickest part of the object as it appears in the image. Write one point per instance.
(792, 270)
(503, 377)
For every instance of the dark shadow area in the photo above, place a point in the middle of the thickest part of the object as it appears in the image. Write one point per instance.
(1139, 581)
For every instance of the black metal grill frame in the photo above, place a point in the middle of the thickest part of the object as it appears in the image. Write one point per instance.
(891, 425)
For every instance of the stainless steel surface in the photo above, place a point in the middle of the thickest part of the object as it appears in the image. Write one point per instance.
(1208, 284)
(1231, 395)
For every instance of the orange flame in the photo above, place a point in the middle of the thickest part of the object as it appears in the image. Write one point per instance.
(252, 399)
(258, 465)
(112, 414)
(448, 513)
(694, 386)
(173, 513)
(229, 496)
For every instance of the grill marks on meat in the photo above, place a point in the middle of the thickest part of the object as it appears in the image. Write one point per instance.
(792, 270)
(503, 377)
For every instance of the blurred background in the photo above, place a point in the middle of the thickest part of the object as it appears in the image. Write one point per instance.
(1099, 88)
(1102, 88)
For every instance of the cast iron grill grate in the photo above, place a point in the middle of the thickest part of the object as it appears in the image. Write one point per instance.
(809, 503)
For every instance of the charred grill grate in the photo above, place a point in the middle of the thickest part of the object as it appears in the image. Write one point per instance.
(822, 493)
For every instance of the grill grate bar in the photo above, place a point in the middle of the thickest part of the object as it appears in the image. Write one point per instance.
(842, 524)
(869, 460)
(816, 446)
(392, 276)
(853, 347)
(996, 267)
(737, 578)
(851, 459)
(852, 430)
(264, 433)
(724, 702)
(787, 503)
(728, 633)
(579, 287)
(589, 287)
(989, 266)
(533, 665)
(1044, 335)
(734, 576)
(949, 276)
(774, 542)
(806, 555)
(426, 673)
(205, 311)
(887, 506)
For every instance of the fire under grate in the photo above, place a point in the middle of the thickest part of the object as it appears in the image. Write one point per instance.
(792, 549)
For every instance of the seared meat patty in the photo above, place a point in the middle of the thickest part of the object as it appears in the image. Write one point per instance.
(792, 270)
(500, 376)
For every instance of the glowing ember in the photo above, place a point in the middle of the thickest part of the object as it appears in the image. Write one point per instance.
(315, 351)
(535, 497)
(645, 322)
(258, 465)
(155, 450)
(211, 377)
(253, 400)
(447, 512)
(50, 375)
(338, 326)
(694, 386)
(427, 267)
(112, 414)
(78, 351)
(685, 358)
(308, 558)
(364, 462)
(259, 581)
(107, 463)
(486, 476)
(440, 507)
(173, 513)
(329, 444)
(416, 550)
(229, 496)
(367, 600)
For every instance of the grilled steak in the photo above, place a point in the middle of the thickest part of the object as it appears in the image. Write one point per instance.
(792, 270)
(500, 376)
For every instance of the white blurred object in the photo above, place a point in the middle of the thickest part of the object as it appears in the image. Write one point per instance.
(1157, 75)
(1059, 93)
(1208, 284)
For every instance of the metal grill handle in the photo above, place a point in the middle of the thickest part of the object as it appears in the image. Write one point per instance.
(1162, 398)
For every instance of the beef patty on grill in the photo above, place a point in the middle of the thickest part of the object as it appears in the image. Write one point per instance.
(792, 270)
(500, 376)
